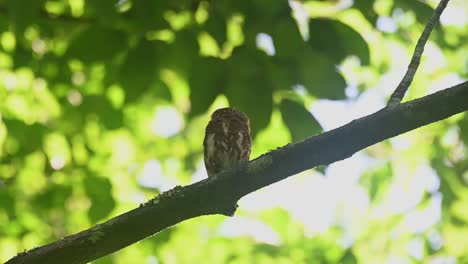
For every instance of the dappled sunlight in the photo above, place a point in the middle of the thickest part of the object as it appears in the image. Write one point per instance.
(57, 150)
(265, 43)
(57, 162)
(455, 14)
(386, 24)
(122, 148)
(10, 81)
(401, 198)
(166, 121)
(419, 221)
(74, 97)
(325, 199)
(39, 46)
(200, 173)
(434, 61)
(445, 81)
(151, 176)
(242, 226)
(348, 171)
(332, 114)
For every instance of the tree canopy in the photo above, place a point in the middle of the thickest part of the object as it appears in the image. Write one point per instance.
(103, 106)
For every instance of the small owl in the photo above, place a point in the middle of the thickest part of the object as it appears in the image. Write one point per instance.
(227, 140)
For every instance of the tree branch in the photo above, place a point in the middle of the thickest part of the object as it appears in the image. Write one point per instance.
(402, 87)
(219, 193)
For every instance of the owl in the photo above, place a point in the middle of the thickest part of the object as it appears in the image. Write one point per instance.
(227, 140)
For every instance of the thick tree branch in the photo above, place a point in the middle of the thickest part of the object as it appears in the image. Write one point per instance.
(404, 84)
(219, 193)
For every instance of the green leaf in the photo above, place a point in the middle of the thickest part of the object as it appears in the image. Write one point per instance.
(99, 191)
(337, 40)
(463, 124)
(263, 11)
(160, 90)
(28, 138)
(377, 180)
(348, 257)
(261, 16)
(216, 25)
(320, 76)
(22, 57)
(97, 43)
(448, 177)
(75, 115)
(139, 69)
(104, 10)
(23, 13)
(366, 7)
(287, 39)
(250, 89)
(148, 15)
(54, 196)
(300, 122)
(109, 116)
(7, 201)
(207, 81)
(182, 53)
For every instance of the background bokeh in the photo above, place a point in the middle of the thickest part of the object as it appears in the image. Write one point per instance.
(103, 105)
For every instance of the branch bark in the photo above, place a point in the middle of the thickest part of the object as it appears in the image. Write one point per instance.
(219, 193)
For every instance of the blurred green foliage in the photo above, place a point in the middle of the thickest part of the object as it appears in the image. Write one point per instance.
(103, 105)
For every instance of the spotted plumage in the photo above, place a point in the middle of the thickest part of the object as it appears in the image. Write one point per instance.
(227, 140)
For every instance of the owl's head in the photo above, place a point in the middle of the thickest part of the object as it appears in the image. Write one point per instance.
(229, 113)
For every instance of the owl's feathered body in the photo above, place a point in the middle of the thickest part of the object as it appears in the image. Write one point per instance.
(227, 140)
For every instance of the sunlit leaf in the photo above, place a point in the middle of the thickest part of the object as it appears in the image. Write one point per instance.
(148, 15)
(104, 10)
(216, 25)
(337, 40)
(108, 115)
(463, 124)
(27, 137)
(422, 10)
(22, 57)
(96, 43)
(180, 54)
(7, 201)
(287, 39)
(23, 13)
(99, 191)
(263, 11)
(320, 76)
(207, 81)
(367, 9)
(301, 123)
(139, 70)
(160, 90)
(377, 180)
(349, 258)
(54, 196)
(250, 89)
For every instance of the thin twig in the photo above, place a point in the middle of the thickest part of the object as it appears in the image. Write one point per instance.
(400, 91)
